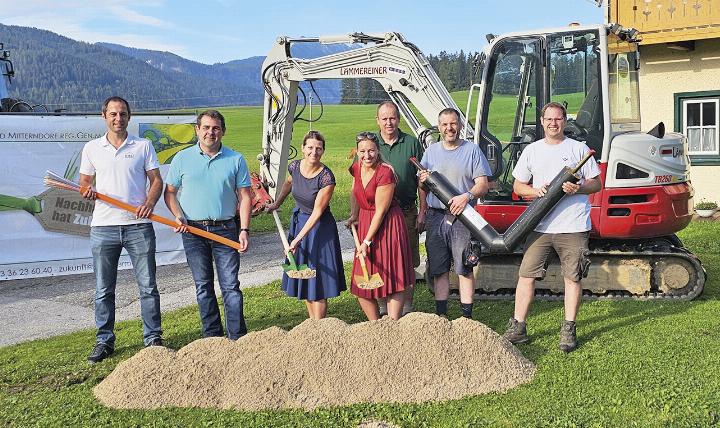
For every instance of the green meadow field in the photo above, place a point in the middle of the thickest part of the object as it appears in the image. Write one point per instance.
(339, 125)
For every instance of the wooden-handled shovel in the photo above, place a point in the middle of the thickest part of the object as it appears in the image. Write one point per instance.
(291, 268)
(365, 281)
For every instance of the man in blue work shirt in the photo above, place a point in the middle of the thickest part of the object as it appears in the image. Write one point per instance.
(215, 184)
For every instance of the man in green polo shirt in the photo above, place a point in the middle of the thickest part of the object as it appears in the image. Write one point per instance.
(396, 148)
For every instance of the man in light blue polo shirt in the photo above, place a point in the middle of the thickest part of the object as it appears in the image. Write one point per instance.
(206, 186)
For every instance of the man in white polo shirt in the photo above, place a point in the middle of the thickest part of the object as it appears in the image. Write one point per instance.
(122, 165)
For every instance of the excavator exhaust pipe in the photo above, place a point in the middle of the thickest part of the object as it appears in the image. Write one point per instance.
(491, 240)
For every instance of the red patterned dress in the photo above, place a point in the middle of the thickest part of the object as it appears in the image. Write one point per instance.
(389, 255)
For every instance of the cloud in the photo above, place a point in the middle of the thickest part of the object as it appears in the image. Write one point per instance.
(79, 20)
(52, 14)
(142, 42)
(137, 18)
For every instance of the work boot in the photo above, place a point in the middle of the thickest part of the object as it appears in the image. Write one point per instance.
(441, 308)
(99, 352)
(516, 332)
(568, 338)
(466, 310)
(157, 341)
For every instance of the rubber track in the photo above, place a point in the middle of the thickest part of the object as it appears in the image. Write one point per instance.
(669, 253)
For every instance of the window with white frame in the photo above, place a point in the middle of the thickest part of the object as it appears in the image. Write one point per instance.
(701, 120)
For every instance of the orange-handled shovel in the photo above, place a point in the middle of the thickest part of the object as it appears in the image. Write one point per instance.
(54, 180)
(166, 221)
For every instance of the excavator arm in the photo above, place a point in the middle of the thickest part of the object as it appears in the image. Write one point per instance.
(389, 59)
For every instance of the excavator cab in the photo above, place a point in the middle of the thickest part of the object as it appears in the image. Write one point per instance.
(523, 73)
(7, 71)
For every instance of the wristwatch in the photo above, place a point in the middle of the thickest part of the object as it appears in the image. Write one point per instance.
(366, 242)
(469, 193)
(245, 230)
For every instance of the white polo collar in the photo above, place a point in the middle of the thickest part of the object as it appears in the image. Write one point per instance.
(128, 141)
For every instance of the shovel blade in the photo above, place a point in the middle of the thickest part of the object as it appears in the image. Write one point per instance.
(298, 271)
(291, 264)
(368, 283)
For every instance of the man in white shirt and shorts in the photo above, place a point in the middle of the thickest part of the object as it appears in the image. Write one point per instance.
(565, 229)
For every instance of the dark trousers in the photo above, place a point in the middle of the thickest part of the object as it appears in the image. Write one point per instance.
(200, 253)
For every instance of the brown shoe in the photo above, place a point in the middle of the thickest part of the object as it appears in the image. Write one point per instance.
(568, 337)
(516, 332)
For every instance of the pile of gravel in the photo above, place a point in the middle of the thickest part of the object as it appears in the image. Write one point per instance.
(321, 363)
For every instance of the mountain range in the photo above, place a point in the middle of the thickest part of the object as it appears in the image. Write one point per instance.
(56, 72)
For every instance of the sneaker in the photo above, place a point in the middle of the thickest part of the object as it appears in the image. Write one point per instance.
(516, 332)
(100, 352)
(156, 342)
(568, 338)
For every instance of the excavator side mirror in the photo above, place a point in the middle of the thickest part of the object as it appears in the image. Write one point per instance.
(658, 131)
(9, 71)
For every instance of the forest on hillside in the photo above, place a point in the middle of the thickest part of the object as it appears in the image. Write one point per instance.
(57, 73)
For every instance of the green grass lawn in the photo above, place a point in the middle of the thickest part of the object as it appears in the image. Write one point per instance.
(654, 363)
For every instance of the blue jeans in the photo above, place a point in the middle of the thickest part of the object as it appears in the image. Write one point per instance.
(200, 253)
(139, 242)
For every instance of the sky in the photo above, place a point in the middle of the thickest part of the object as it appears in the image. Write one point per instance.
(213, 31)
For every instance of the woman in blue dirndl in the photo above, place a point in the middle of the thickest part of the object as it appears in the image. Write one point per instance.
(313, 234)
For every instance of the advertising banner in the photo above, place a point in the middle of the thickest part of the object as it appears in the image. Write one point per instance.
(45, 231)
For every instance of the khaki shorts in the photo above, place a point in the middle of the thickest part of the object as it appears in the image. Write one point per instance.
(410, 215)
(571, 248)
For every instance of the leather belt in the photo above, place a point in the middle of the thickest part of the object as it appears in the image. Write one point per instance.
(206, 223)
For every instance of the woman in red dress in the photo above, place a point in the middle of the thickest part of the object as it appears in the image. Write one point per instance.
(381, 227)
